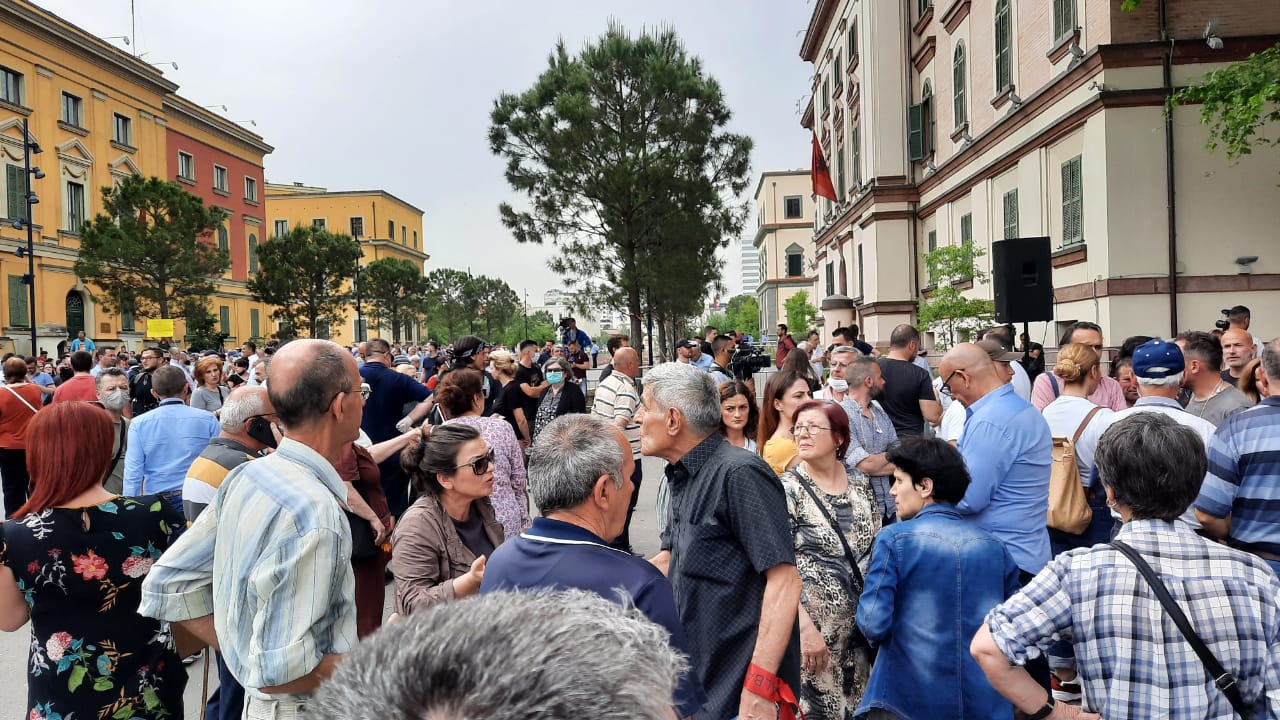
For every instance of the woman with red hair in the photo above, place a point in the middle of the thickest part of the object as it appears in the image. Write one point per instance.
(834, 519)
(72, 562)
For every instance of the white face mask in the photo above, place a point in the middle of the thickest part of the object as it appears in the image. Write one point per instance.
(116, 399)
(838, 384)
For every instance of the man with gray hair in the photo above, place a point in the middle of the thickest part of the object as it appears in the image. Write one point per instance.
(112, 385)
(509, 656)
(727, 549)
(272, 552)
(246, 419)
(579, 479)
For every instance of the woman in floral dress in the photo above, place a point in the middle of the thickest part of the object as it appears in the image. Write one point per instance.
(72, 562)
(835, 662)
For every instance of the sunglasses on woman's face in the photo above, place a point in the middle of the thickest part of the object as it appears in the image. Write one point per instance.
(480, 465)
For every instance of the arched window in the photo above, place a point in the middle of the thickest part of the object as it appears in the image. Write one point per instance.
(253, 253)
(222, 238)
(930, 118)
(958, 83)
(1004, 42)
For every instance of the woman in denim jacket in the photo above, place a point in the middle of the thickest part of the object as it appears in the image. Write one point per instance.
(930, 584)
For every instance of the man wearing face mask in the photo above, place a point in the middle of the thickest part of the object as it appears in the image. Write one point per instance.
(113, 395)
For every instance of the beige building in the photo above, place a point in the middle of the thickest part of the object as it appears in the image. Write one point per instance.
(977, 120)
(383, 224)
(784, 244)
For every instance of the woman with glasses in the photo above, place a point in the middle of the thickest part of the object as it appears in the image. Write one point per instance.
(561, 396)
(783, 394)
(460, 396)
(739, 414)
(439, 548)
(834, 520)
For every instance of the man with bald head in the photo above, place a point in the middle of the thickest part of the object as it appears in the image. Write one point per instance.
(1008, 449)
(1238, 349)
(617, 399)
(279, 573)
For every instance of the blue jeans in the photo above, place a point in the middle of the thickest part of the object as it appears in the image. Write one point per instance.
(227, 700)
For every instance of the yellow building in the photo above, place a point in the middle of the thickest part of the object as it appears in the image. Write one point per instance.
(99, 115)
(384, 225)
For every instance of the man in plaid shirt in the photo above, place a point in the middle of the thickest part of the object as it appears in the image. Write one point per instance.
(1132, 659)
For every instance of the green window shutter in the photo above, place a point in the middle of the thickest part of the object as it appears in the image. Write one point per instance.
(1072, 203)
(840, 186)
(1011, 214)
(915, 132)
(224, 319)
(966, 228)
(18, 316)
(861, 277)
(255, 329)
(831, 279)
(15, 191)
(253, 253)
(222, 238)
(856, 140)
(853, 42)
(932, 244)
(1004, 40)
(958, 81)
(126, 321)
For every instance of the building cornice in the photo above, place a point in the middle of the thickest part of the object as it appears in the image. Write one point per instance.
(818, 23)
(57, 31)
(342, 193)
(774, 174)
(397, 247)
(184, 109)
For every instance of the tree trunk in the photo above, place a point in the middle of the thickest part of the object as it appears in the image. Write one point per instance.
(663, 342)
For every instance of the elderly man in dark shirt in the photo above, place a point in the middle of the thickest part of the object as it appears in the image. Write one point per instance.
(727, 549)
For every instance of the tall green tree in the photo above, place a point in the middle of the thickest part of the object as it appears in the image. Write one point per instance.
(449, 304)
(801, 314)
(202, 331)
(302, 273)
(495, 306)
(622, 155)
(744, 314)
(947, 311)
(151, 248)
(397, 293)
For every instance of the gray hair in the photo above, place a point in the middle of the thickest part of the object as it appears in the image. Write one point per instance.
(1152, 464)
(1172, 381)
(238, 408)
(109, 372)
(568, 457)
(1271, 361)
(509, 656)
(687, 389)
(557, 362)
(860, 368)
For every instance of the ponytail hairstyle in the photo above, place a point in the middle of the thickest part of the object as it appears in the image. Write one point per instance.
(426, 460)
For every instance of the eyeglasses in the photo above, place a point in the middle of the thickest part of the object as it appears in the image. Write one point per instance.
(946, 384)
(799, 430)
(480, 465)
(365, 390)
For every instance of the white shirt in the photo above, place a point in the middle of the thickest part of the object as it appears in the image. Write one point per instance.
(1064, 415)
(1021, 381)
(1171, 409)
(953, 419)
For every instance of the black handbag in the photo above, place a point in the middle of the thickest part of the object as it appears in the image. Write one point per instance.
(1222, 679)
(363, 541)
(856, 637)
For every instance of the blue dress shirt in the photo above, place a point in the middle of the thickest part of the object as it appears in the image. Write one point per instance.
(1008, 450)
(162, 445)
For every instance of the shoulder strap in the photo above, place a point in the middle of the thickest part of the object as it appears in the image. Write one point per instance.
(1221, 678)
(1053, 383)
(1084, 424)
(848, 551)
(24, 400)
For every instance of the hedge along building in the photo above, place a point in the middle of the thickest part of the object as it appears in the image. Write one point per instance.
(99, 115)
(977, 120)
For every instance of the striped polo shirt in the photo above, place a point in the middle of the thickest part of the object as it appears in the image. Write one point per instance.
(616, 397)
(1244, 477)
(206, 474)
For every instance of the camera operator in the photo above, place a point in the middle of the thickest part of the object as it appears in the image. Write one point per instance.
(722, 348)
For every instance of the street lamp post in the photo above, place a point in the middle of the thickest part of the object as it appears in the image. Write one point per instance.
(359, 315)
(29, 148)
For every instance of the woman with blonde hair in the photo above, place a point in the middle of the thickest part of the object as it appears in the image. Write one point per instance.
(210, 393)
(510, 403)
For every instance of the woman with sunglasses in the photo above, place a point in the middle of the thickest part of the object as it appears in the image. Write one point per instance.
(460, 396)
(438, 549)
(834, 519)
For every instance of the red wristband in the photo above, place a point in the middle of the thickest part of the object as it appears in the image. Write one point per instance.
(761, 682)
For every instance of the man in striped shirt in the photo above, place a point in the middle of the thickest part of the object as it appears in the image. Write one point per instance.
(272, 551)
(1240, 496)
(617, 399)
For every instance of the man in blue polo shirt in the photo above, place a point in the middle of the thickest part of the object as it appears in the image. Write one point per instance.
(580, 479)
(389, 392)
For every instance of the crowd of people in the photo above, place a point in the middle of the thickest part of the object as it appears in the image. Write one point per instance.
(994, 534)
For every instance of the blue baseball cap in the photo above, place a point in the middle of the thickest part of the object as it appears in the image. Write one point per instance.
(1156, 359)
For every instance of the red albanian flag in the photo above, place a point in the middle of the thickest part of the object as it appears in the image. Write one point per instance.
(822, 186)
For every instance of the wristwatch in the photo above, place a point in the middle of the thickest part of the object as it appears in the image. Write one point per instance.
(1045, 711)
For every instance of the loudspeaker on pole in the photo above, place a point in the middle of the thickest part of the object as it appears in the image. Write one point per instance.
(1023, 280)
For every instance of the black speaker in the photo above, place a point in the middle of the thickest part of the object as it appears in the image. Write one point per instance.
(1023, 280)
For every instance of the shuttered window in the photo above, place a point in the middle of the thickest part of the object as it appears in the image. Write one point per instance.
(931, 245)
(255, 323)
(930, 118)
(1011, 214)
(831, 279)
(223, 245)
(15, 191)
(224, 319)
(253, 253)
(853, 41)
(18, 315)
(915, 132)
(855, 139)
(1004, 42)
(861, 276)
(1072, 202)
(840, 186)
(835, 72)
(1064, 18)
(958, 85)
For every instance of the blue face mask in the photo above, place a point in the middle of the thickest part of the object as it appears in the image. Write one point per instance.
(555, 377)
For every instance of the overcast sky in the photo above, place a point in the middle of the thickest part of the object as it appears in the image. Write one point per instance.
(396, 94)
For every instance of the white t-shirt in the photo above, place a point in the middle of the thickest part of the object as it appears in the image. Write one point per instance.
(1021, 381)
(1203, 428)
(953, 420)
(1064, 415)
